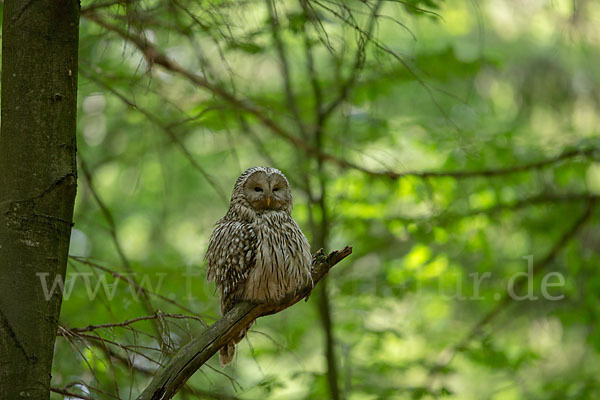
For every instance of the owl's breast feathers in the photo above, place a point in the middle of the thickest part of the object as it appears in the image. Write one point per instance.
(283, 259)
(260, 259)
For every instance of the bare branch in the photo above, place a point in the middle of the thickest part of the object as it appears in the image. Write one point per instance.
(168, 129)
(187, 388)
(156, 315)
(576, 153)
(536, 200)
(285, 66)
(395, 55)
(65, 392)
(64, 332)
(128, 279)
(193, 355)
(106, 4)
(359, 60)
(113, 232)
(154, 56)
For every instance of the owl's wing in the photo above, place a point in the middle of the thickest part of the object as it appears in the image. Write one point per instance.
(230, 256)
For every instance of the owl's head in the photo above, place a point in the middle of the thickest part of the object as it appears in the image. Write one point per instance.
(264, 188)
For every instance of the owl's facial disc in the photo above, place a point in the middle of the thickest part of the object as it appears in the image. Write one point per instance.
(267, 192)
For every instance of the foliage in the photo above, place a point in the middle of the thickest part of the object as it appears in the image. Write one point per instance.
(440, 139)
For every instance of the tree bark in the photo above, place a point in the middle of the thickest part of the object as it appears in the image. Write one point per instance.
(38, 180)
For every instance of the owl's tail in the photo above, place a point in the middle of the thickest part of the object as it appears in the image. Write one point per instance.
(226, 354)
(228, 351)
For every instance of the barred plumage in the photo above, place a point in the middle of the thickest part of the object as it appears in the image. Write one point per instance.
(257, 252)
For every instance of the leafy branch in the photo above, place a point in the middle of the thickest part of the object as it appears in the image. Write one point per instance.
(447, 355)
(155, 56)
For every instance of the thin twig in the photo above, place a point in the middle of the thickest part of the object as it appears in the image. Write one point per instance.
(156, 315)
(154, 56)
(285, 67)
(113, 232)
(63, 332)
(168, 129)
(106, 4)
(127, 279)
(536, 200)
(65, 392)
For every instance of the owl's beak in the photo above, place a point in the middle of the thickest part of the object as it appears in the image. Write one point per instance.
(268, 201)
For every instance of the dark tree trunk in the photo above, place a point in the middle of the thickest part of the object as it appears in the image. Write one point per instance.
(38, 180)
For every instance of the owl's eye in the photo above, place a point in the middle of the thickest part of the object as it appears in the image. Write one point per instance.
(258, 189)
(275, 189)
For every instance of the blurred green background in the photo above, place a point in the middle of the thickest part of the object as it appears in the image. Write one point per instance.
(178, 97)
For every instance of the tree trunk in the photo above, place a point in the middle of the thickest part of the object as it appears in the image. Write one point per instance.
(38, 180)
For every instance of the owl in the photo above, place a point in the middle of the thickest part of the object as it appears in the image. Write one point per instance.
(257, 252)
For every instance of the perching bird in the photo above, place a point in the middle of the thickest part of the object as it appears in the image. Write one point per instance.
(257, 252)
